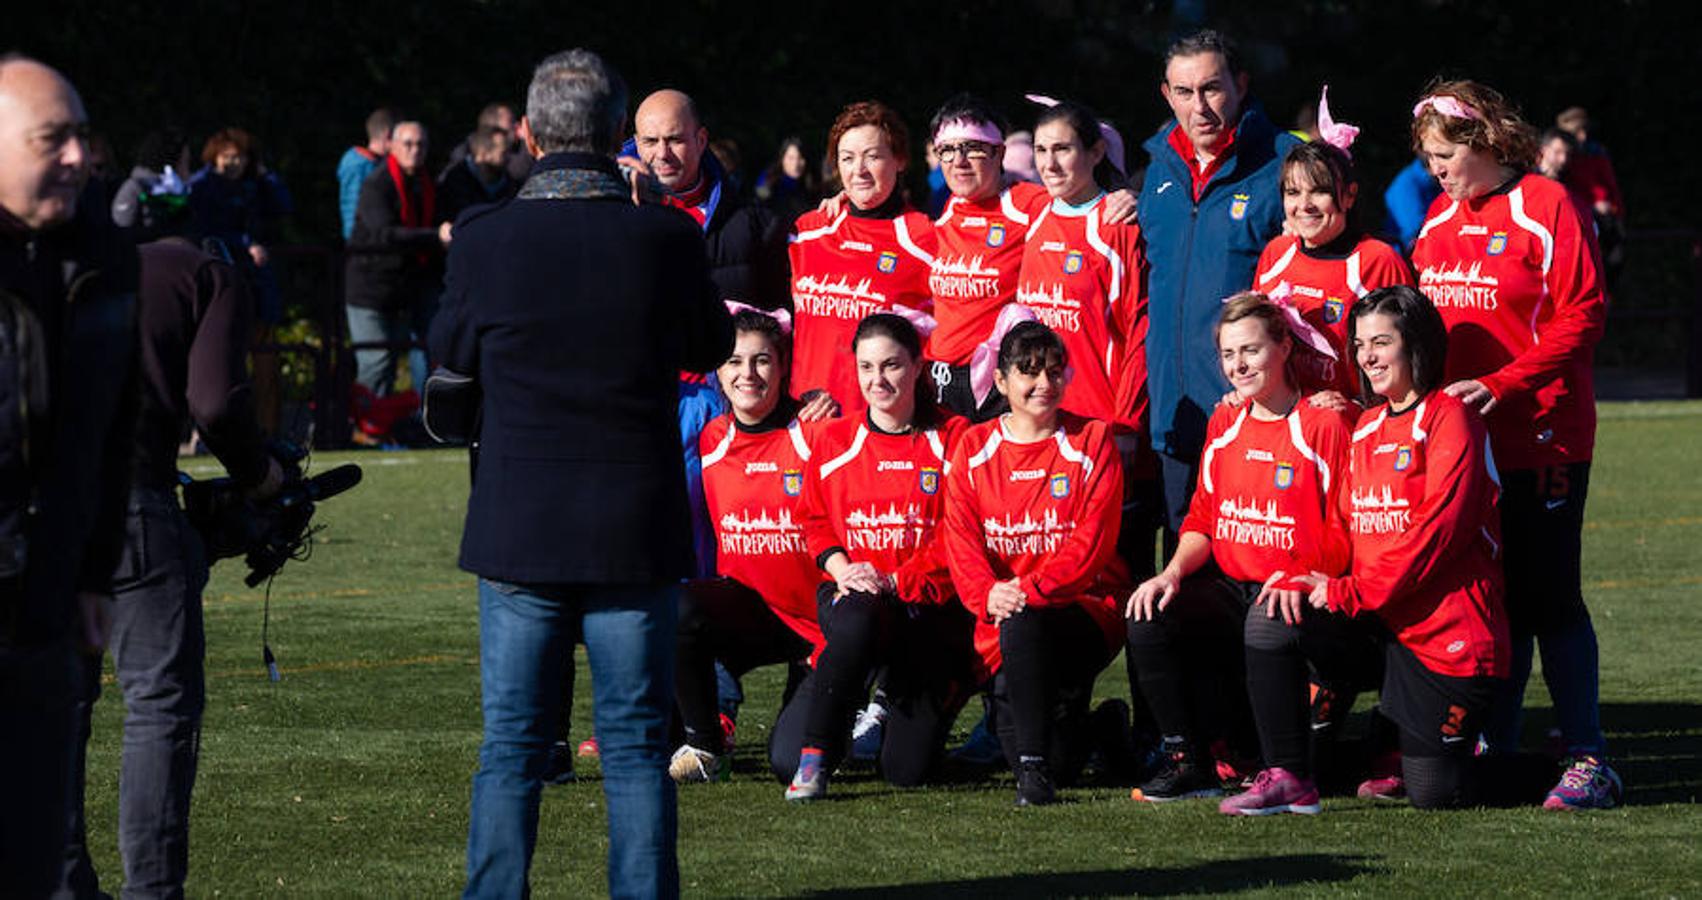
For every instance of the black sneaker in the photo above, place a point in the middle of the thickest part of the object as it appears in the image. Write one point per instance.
(560, 770)
(1180, 780)
(1034, 783)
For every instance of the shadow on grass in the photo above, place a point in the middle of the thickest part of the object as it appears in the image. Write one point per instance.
(1657, 748)
(1215, 877)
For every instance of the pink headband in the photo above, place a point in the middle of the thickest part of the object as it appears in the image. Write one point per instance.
(986, 357)
(1113, 140)
(968, 130)
(1339, 135)
(923, 322)
(1283, 296)
(778, 315)
(1452, 107)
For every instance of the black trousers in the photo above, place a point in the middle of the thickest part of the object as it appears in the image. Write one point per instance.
(1189, 664)
(723, 619)
(1041, 693)
(928, 655)
(1345, 654)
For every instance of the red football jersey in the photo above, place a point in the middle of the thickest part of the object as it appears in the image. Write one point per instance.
(753, 483)
(843, 270)
(1420, 509)
(1267, 492)
(1088, 282)
(1517, 278)
(1046, 512)
(878, 497)
(1325, 286)
(975, 272)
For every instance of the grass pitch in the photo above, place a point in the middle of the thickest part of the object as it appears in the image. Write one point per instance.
(351, 776)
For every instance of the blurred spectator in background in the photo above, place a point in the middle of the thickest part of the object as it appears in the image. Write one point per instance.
(938, 193)
(158, 184)
(480, 177)
(792, 184)
(393, 273)
(358, 162)
(1019, 157)
(103, 167)
(1590, 172)
(1554, 158)
(515, 158)
(236, 200)
(1405, 201)
(726, 150)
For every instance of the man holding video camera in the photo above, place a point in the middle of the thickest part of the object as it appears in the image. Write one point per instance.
(195, 314)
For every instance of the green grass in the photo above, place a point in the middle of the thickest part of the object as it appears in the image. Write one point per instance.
(351, 775)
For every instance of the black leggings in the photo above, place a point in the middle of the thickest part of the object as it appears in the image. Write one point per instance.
(927, 652)
(1051, 657)
(1189, 663)
(1347, 655)
(722, 619)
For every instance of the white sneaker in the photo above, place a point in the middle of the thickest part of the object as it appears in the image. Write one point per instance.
(866, 734)
(690, 765)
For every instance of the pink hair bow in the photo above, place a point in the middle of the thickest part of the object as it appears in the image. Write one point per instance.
(924, 323)
(1339, 135)
(1283, 296)
(1452, 107)
(985, 360)
(778, 315)
(1113, 140)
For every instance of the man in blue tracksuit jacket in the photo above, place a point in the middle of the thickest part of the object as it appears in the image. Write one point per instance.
(1210, 202)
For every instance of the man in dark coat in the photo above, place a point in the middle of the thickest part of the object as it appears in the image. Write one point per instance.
(747, 244)
(67, 395)
(575, 311)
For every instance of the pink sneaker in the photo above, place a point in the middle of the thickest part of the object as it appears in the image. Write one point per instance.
(1392, 787)
(728, 729)
(1588, 783)
(1274, 791)
(588, 748)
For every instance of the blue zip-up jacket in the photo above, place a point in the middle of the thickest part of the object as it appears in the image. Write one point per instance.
(1201, 253)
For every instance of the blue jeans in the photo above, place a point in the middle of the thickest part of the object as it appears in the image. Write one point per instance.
(375, 368)
(525, 643)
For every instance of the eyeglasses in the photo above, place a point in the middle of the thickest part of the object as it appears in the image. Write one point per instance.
(974, 151)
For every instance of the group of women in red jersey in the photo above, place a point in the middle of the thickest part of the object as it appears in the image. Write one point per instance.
(976, 519)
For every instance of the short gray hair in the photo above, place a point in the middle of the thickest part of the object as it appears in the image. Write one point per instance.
(577, 103)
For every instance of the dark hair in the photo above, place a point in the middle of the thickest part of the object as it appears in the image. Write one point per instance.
(1501, 131)
(1424, 338)
(878, 114)
(162, 147)
(492, 114)
(1557, 134)
(750, 321)
(380, 121)
(234, 139)
(1327, 167)
(809, 185)
(1086, 126)
(898, 329)
(1206, 40)
(1031, 346)
(486, 137)
(967, 107)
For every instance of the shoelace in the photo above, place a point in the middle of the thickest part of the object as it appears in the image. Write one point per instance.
(1262, 781)
(1579, 775)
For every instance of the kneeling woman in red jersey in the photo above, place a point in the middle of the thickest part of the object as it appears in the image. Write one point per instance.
(873, 495)
(871, 255)
(1262, 512)
(1419, 503)
(1325, 259)
(762, 609)
(1032, 505)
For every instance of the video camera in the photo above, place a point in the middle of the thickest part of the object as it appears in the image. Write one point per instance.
(267, 532)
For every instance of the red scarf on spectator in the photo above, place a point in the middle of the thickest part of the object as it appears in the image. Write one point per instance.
(412, 217)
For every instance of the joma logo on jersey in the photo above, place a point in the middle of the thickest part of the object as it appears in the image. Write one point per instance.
(792, 481)
(1238, 206)
(888, 261)
(1284, 476)
(1403, 458)
(1333, 310)
(1497, 243)
(996, 236)
(1072, 262)
(1060, 485)
(929, 480)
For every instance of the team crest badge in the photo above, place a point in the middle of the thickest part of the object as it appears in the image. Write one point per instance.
(1497, 243)
(1403, 459)
(996, 236)
(1072, 262)
(1238, 206)
(887, 262)
(929, 479)
(1284, 476)
(1060, 486)
(1332, 310)
(792, 481)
